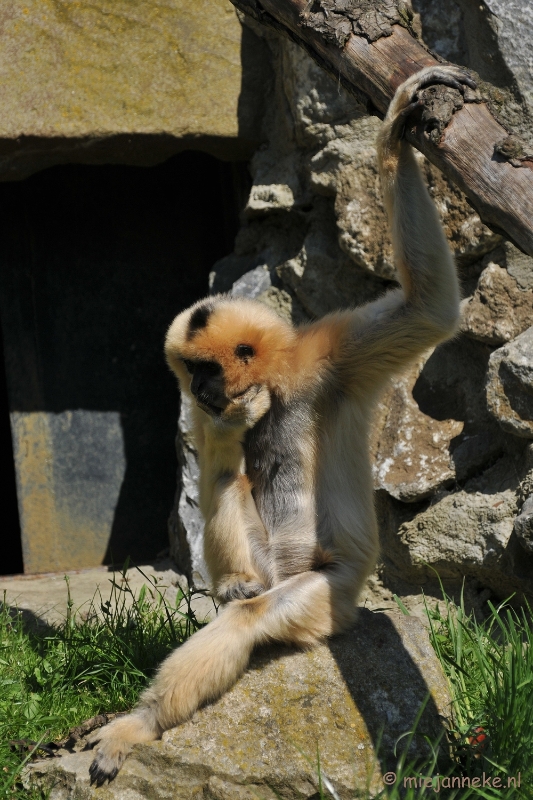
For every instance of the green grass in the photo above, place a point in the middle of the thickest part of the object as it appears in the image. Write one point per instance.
(52, 679)
(489, 666)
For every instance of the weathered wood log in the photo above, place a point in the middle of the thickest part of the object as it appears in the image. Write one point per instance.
(369, 47)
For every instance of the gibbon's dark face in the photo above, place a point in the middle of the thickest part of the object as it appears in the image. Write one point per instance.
(207, 385)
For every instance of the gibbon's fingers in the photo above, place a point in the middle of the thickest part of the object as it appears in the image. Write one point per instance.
(451, 76)
(405, 100)
(446, 74)
(301, 610)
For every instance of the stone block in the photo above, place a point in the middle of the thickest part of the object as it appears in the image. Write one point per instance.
(130, 83)
(70, 467)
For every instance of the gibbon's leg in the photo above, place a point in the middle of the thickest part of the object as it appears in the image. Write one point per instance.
(391, 332)
(301, 610)
(236, 547)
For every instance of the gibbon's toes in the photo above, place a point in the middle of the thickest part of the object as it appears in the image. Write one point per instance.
(238, 590)
(106, 765)
(110, 754)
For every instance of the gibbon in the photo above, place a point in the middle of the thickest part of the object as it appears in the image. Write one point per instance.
(281, 420)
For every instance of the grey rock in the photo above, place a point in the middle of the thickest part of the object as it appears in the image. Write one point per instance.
(443, 28)
(462, 531)
(512, 21)
(463, 534)
(252, 283)
(228, 270)
(186, 524)
(474, 451)
(493, 39)
(411, 455)
(510, 385)
(500, 309)
(261, 738)
(320, 274)
(523, 526)
(519, 265)
(460, 535)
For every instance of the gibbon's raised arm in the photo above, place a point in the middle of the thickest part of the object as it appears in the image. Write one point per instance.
(281, 423)
(390, 332)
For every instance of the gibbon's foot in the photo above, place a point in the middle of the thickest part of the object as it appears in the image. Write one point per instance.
(238, 586)
(107, 761)
(405, 100)
(105, 768)
(114, 741)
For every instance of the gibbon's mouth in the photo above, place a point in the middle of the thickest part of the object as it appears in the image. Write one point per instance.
(209, 406)
(248, 390)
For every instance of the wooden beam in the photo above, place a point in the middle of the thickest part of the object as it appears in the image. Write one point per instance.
(470, 148)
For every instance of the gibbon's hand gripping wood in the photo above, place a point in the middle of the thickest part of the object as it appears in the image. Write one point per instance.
(368, 47)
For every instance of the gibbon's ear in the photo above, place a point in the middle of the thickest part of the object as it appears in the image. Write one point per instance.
(251, 343)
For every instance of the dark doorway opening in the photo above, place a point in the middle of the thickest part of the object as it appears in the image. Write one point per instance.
(11, 544)
(95, 263)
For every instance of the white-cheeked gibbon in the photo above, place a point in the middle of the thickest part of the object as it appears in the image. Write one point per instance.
(281, 421)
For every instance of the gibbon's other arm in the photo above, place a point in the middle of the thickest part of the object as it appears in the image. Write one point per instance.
(390, 332)
(235, 540)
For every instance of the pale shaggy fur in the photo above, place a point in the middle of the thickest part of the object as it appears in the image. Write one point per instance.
(281, 428)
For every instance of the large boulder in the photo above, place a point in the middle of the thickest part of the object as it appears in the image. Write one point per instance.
(95, 83)
(510, 385)
(346, 701)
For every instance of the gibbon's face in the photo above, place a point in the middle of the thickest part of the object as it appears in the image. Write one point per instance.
(229, 354)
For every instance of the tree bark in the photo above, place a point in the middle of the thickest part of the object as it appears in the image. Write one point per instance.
(469, 150)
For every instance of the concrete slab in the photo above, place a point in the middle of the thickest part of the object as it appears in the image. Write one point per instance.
(46, 596)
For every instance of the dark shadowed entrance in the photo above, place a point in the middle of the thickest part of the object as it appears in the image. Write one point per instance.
(95, 263)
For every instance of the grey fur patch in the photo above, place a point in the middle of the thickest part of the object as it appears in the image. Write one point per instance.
(199, 319)
(274, 461)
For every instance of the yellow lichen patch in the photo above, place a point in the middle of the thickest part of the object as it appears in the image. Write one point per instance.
(101, 69)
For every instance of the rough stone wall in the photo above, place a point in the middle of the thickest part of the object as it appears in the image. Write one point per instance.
(452, 454)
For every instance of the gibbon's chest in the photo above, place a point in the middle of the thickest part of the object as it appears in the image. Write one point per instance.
(276, 463)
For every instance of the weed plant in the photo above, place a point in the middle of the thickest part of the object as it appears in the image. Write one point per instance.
(53, 678)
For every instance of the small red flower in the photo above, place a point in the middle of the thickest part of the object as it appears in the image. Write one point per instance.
(478, 739)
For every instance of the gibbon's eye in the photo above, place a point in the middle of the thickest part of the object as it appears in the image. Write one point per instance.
(244, 351)
(189, 365)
